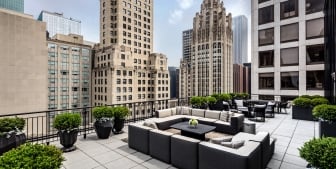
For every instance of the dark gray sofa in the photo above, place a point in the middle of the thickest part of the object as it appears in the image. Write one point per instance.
(159, 146)
(184, 152)
(213, 156)
(138, 137)
(233, 125)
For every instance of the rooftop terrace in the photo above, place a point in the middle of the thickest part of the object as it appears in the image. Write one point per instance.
(115, 153)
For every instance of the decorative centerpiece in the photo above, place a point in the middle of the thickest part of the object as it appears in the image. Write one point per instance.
(193, 123)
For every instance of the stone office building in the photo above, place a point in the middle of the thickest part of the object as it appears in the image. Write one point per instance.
(287, 48)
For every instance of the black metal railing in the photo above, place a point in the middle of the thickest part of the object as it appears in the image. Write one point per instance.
(39, 125)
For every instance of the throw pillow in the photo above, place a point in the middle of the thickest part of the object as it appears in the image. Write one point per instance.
(230, 114)
(151, 124)
(224, 116)
(235, 144)
(220, 139)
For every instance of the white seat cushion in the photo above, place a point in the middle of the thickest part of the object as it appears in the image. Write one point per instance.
(197, 112)
(212, 114)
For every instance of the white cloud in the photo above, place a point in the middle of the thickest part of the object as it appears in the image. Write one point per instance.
(185, 4)
(175, 16)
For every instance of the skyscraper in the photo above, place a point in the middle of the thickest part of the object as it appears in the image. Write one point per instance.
(287, 49)
(174, 81)
(125, 70)
(240, 37)
(58, 24)
(184, 71)
(15, 5)
(211, 57)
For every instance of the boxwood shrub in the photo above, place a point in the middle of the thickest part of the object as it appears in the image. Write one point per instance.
(67, 121)
(102, 112)
(325, 112)
(302, 102)
(11, 124)
(320, 153)
(318, 101)
(32, 156)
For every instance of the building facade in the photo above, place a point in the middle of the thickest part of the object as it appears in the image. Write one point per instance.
(125, 70)
(174, 81)
(15, 5)
(58, 24)
(287, 48)
(185, 65)
(69, 67)
(330, 39)
(211, 58)
(241, 78)
(240, 38)
(23, 85)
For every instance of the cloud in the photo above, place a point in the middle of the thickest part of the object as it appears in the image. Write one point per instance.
(185, 4)
(175, 16)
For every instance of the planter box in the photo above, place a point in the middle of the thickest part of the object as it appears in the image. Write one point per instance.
(302, 113)
(7, 143)
(327, 129)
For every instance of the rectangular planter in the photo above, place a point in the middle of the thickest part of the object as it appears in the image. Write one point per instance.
(302, 113)
(327, 129)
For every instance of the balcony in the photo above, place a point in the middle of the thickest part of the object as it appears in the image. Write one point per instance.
(114, 152)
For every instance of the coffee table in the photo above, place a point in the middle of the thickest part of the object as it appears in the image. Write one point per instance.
(198, 132)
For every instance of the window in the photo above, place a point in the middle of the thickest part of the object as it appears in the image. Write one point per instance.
(289, 33)
(314, 6)
(266, 37)
(289, 56)
(266, 80)
(315, 28)
(315, 54)
(266, 58)
(289, 9)
(266, 15)
(315, 80)
(290, 80)
(261, 1)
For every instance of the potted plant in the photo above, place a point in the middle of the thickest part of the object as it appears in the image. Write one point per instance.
(119, 113)
(193, 123)
(302, 109)
(11, 134)
(320, 153)
(103, 124)
(36, 156)
(211, 102)
(327, 119)
(67, 125)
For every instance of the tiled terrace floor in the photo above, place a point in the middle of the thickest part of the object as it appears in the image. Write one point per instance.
(114, 153)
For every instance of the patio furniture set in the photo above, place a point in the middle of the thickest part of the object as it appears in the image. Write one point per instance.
(169, 138)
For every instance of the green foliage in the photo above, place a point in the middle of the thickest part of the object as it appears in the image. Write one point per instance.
(102, 112)
(325, 112)
(306, 96)
(67, 121)
(224, 97)
(11, 124)
(302, 102)
(120, 112)
(32, 156)
(319, 101)
(196, 101)
(211, 100)
(316, 96)
(216, 96)
(320, 152)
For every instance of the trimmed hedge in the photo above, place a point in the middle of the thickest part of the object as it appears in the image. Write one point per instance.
(67, 121)
(32, 156)
(102, 112)
(325, 112)
(318, 101)
(302, 102)
(11, 124)
(120, 112)
(320, 152)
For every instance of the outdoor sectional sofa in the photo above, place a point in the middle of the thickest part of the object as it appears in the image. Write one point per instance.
(188, 153)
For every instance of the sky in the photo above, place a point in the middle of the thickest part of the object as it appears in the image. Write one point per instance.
(171, 17)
